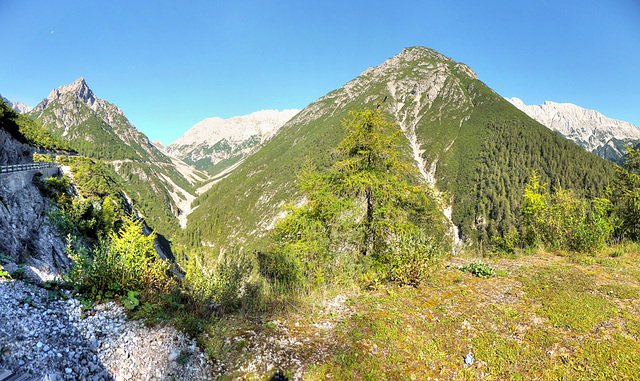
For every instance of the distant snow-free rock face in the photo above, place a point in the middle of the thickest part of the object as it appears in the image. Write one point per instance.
(588, 128)
(214, 140)
(100, 128)
(18, 106)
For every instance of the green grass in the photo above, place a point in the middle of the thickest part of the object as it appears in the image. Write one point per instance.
(545, 317)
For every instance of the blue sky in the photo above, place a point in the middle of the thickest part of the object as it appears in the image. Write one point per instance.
(170, 64)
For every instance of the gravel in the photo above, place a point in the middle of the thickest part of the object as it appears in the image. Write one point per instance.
(55, 340)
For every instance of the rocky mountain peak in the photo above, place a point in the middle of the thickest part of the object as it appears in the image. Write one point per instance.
(78, 90)
(588, 128)
(18, 106)
(213, 140)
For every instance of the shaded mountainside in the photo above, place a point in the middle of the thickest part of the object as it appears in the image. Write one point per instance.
(21, 137)
(215, 144)
(99, 129)
(466, 140)
(590, 129)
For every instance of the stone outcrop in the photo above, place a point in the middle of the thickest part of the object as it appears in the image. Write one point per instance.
(588, 128)
(213, 140)
(13, 151)
(26, 234)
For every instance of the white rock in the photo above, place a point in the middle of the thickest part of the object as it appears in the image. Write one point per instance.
(589, 128)
(232, 132)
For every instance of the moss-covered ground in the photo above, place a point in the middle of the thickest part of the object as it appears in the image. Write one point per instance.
(544, 316)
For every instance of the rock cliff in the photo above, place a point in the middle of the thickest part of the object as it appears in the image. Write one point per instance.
(26, 234)
(215, 140)
(588, 128)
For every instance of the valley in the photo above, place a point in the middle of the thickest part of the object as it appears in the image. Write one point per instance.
(411, 224)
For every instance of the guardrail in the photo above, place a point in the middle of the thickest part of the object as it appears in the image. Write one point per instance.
(26, 167)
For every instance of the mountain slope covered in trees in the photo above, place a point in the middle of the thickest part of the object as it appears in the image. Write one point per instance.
(466, 140)
(99, 130)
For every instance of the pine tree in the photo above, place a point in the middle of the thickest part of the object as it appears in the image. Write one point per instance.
(365, 204)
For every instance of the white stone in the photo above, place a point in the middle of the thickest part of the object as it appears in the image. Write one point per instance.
(589, 128)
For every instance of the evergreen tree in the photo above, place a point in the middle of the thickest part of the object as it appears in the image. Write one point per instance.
(625, 195)
(365, 204)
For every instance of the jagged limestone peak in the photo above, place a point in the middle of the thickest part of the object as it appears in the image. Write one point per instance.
(18, 106)
(78, 89)
(589, 128)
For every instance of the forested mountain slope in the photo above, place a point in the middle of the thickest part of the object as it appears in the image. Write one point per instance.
(466, 140)
(99, 129)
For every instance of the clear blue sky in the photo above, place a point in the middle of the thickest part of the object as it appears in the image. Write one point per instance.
(170, 64)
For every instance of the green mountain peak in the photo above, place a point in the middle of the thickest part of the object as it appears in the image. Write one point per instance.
(469, 143)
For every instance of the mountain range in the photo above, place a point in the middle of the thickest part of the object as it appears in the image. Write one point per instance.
(158, 187)
(215, 144)
(225, 181)
(18, 106)
(465, 140)
(590, 129)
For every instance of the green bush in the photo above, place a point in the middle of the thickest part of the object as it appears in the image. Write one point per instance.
(479, 269)
(412, 257)
(506, 244)
(564, 220)
(127, 261)
(625, 196)
(221, 282)
(280, 266)
(54, 187)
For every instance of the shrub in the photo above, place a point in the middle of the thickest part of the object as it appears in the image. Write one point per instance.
(222, 282)
(506, 244)
(479, 269)
(412, 257)
(564, 220)
(280, 266)
(54, 187)
(127, 261)
(625, 196)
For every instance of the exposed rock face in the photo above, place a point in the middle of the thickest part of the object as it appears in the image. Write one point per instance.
(213, 140)
(74, 113)
(13, 151)
(18, 106)
(26, 235)
(588, 128)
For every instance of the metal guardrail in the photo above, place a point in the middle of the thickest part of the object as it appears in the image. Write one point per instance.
(26, 167)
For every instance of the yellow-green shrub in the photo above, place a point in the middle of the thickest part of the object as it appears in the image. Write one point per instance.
(126, 261)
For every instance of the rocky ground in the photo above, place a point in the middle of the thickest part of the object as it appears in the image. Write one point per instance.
(55, 338)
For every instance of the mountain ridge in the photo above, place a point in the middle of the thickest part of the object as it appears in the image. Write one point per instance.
(588, 128)
(99, 129)
(215, 144)
(18, 106)
(473, 145)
